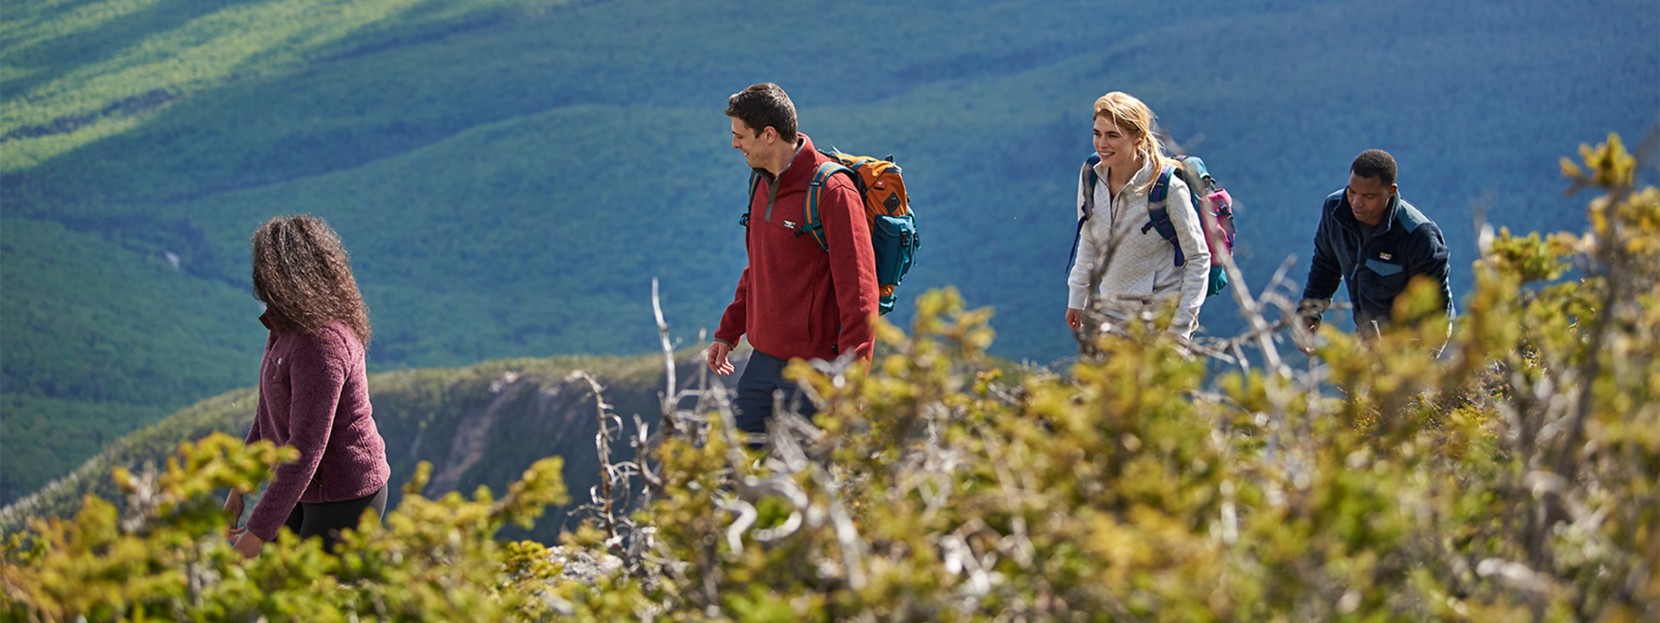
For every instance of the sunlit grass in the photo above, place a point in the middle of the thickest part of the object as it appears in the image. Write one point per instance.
(234, 42)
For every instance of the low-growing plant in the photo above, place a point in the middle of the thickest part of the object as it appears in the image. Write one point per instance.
(1509, 476)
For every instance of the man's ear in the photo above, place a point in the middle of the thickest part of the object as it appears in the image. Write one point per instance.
(1393, 189)
(769, 135)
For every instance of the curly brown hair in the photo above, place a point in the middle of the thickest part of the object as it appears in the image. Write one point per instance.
(304, 276)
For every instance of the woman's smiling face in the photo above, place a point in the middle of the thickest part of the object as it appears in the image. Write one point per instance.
(1115, 145)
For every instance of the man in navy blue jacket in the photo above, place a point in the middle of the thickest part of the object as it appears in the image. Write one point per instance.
(1376, 243)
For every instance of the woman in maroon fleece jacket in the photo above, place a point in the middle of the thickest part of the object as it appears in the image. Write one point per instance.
(313, 391)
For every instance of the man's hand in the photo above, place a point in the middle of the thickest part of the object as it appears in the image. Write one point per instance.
(1074, 319)
(1311, 324)
(717, 358)
(1311, 327)
(1308, 315)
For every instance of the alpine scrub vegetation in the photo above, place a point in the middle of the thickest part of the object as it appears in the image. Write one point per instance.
(1509, 478)
(167, 559)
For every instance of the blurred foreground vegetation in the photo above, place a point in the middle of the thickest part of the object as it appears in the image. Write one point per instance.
(510, 175)
(1512, 478)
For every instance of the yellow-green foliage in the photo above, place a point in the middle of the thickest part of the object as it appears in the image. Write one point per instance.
(1509, 478)
(168, 559)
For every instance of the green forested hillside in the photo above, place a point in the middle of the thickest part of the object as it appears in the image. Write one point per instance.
(510, 175)
(1507, 477)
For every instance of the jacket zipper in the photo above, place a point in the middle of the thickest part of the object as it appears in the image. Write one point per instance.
(775, 182)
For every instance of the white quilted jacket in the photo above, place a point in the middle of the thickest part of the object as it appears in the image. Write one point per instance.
(1141, 273)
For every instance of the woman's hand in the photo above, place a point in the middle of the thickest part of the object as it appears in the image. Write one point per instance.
(1074, 319)
(233, 507)
(249, 545)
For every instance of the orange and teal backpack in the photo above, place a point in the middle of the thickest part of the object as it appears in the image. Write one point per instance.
(893, 233)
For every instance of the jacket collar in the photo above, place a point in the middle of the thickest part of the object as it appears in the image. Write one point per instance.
(800, 167)
(1141, 179)
(1346, 215)
(273, 322)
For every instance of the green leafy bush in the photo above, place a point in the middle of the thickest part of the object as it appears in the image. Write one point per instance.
(1508, 478)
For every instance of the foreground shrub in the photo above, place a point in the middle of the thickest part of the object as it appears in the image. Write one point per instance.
(1509, 478)
(168, 559)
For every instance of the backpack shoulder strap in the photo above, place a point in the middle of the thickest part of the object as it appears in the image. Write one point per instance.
(1087, 179)
(754, 183)
(815, 226)
(1158, 213)
(1161, 189)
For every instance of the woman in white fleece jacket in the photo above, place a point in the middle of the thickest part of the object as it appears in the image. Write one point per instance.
(1135, 266)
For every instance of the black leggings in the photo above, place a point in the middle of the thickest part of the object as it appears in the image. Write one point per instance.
(327, 519)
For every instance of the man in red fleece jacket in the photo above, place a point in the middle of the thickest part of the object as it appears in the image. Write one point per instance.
(794, 300)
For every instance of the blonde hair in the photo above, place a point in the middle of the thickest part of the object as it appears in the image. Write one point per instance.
(1131, 115)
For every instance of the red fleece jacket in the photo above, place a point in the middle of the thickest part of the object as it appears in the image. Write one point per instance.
(314, 396)
(794, 300)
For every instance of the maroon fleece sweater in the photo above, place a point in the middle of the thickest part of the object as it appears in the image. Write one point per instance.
(314, 396)
(794, 300)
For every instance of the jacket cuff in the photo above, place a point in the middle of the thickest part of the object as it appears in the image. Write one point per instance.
(1077, 298)
(1184, 324)
(1312, 307)
(265, 526)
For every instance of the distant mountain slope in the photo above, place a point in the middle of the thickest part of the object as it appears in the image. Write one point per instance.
(480, 425)
(510, 175)
(95, 341)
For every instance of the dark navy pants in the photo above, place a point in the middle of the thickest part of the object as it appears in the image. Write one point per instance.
(761, 379)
